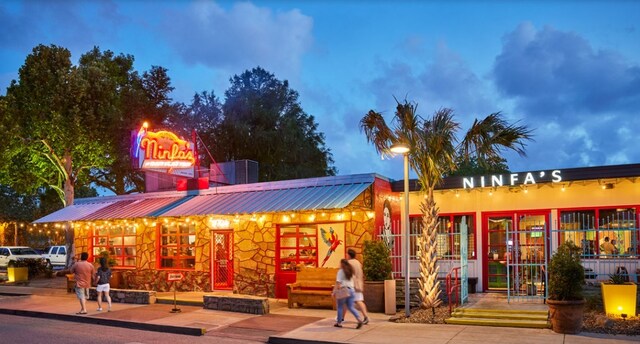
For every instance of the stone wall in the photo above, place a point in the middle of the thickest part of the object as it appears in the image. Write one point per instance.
(240, 304)
(142, 297)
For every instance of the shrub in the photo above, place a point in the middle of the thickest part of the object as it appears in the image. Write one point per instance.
(376, 261)
(566, 274)
(617, 278)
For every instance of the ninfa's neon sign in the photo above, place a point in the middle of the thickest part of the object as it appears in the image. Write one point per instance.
(162, 151)
(512, 179)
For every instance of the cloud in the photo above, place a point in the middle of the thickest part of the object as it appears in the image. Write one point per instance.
(446, 81)
(71, 23)
(551, 73)
(241, 37)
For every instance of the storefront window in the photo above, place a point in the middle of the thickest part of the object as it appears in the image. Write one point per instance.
(603, 233)
(119, 241)
(448, 237)
(298, 246)
(177, 246)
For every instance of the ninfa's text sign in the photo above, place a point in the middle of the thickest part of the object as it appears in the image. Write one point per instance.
(512, 179)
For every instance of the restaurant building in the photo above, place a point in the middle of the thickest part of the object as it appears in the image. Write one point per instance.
(516, 221)
(223, 231)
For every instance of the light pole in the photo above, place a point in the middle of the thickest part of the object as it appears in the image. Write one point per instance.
(403, 149)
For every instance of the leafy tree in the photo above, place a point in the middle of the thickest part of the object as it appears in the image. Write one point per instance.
(264, 121)
(204, 115)
(471, 167)
(433, 146)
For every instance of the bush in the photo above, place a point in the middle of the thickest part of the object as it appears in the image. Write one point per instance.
(376, 261)
(566, 274)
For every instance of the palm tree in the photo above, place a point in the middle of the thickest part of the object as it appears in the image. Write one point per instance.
(434, 150)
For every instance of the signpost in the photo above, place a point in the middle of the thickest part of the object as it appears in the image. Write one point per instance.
(174, 277)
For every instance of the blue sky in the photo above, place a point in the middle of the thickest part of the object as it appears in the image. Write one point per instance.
(570, 70)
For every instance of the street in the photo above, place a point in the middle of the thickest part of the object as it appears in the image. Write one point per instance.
(17, 329)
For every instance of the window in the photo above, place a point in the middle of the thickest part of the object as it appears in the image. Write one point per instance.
(448, 236)
(601, 233)
(54, 250)
(119, 241)
(63, 250)
(298, 245)
(177, 246)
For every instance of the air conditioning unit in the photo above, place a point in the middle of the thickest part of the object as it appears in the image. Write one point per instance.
(234, 172)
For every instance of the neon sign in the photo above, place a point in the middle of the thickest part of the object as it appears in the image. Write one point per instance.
(512, 179)
(162, 151)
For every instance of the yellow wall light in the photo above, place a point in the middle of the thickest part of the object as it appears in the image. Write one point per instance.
(619, 299)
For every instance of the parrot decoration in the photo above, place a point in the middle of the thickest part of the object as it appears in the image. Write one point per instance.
(331, 239)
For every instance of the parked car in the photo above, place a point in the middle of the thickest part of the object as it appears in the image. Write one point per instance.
(10, 254)
(56, 255)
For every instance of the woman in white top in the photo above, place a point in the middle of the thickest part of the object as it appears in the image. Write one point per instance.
(345, 279)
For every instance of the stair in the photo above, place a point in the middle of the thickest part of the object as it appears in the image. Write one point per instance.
(499, 317)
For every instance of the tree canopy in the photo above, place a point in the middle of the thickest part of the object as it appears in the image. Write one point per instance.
(264, 121)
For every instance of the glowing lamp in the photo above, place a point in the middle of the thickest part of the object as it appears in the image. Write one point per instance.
(619, 299)
(399, 148)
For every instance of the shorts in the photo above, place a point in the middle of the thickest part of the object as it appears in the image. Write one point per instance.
(103, 287)
(358, 296)
(82, 293)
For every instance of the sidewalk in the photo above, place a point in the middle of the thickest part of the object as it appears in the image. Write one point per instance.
(282, 325)
(380, 331)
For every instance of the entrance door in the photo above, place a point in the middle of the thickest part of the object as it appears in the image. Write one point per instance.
(495, 231)
(222, 260)
(515, 252)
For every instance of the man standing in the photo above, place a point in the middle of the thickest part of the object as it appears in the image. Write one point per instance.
(83, 272)
(607, 247)
(358, 282)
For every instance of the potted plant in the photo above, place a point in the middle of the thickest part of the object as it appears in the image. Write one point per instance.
(619, 295)
(376, 265)
(566, 278)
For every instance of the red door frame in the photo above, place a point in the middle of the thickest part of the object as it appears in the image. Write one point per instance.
(215, 266)
(485, 235)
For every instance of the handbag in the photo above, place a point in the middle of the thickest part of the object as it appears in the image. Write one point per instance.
(341, 293)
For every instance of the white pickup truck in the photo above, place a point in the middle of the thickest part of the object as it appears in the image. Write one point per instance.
(10, 254)
(56, 255)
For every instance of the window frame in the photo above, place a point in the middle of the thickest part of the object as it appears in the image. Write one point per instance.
(297, 260)
(597, 254)
(118, 257)
(472, 254)
(178, 246)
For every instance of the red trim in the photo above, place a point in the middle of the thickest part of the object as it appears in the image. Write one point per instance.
(159, 247)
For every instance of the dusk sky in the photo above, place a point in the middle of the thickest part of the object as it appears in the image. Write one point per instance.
(570, 70)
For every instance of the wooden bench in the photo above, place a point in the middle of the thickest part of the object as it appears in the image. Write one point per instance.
(312, 288)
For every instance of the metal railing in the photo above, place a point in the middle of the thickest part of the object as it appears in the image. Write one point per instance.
(453, 288)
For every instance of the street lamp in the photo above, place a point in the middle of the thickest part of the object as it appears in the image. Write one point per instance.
(400, 148)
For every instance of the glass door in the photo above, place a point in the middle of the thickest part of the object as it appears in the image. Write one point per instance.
(496, 251)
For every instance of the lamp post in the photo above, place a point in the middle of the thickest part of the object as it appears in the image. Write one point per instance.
(403, 149)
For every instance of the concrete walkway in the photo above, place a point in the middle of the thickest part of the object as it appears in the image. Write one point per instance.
(46, 299)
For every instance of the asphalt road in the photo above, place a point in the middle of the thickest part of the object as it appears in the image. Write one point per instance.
(17, 329)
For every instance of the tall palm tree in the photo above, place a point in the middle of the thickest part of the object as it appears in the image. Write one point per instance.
(434, 148)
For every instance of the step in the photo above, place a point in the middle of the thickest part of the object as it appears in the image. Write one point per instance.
(496, 315)
(498, 322)
(505, 311)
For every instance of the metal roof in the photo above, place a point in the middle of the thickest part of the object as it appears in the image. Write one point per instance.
(130, 209)
(296, 199)
(73, 212)
(290, 195)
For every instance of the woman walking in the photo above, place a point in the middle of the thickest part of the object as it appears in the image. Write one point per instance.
(103, 275)
(344, 293)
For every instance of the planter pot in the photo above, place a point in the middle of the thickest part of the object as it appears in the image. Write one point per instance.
(566, 316)
(116, 279)
(390, 297)
(619, 298)
(19, 274)
(374, 296)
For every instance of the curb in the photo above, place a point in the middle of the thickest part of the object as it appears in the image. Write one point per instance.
(285, 340)
(191, 331)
